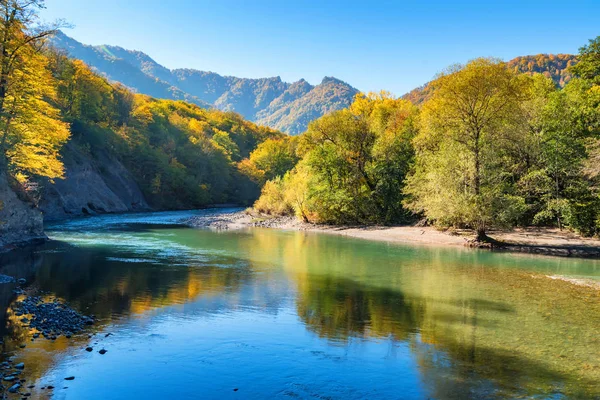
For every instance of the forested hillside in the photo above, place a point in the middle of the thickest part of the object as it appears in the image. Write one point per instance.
(288, 107)
(73, 143)
(555, 67)
(485, 145)
(181, 155)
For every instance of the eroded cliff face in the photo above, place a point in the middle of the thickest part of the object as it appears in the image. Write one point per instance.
(93, 184)
(20, 221)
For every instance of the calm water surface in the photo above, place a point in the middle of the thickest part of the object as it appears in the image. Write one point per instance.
(270, 314)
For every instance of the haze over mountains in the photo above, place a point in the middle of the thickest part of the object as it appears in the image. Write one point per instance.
(288, 107)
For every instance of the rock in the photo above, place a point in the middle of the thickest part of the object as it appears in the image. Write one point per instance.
(22, 281)
(20, 366)
(14, 388)
(69, 378)
(102, 351)
(20, 221)
(89, 348)
(9, 378)
(22, 345)
(52, 319)
(49, 387)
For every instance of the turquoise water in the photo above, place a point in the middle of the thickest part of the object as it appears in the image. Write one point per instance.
(262, 313)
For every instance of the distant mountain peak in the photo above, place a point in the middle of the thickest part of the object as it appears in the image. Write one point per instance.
(269, 101)
(333, 80)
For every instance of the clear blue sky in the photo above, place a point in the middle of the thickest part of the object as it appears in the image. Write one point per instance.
(373, 45)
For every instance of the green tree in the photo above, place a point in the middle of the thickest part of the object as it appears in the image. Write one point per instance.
(353, 163)
(470, 130)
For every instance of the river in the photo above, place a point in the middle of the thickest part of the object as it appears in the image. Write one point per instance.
(261, 313)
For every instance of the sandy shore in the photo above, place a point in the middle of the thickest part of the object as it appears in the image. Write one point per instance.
(529, 240)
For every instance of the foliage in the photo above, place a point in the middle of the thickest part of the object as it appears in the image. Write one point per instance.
(589, 65)
(554, 66)
(271, 159)
(472, 128)
(353, 163)
(181, 155)
(31, 132)
(272, 199)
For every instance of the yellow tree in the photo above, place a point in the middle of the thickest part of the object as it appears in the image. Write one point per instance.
(30, 128)
(467, 128)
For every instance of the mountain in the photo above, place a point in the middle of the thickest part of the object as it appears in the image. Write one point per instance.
(553, 66)
(288, 107)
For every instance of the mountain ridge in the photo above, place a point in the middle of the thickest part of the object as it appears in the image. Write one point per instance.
(285, 106)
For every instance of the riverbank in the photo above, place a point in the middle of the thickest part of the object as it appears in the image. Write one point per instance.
(544, 241)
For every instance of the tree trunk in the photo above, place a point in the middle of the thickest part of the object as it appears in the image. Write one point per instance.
(477, 165)
(481, 235)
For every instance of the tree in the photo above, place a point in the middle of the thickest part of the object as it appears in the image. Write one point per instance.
(353, 164)
(29, 124)
(588, 67)
(469, 130)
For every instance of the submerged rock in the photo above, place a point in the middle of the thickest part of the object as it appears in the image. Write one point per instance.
(14, 388)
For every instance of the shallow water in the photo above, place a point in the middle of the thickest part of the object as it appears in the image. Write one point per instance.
(263, 313)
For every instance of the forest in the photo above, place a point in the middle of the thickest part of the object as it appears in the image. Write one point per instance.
(490, 146)
(181, 155)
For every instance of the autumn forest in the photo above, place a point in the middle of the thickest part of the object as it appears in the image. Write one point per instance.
(484, 145)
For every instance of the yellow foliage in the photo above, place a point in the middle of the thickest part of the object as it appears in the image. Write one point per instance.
(272, 200)
(32, 129)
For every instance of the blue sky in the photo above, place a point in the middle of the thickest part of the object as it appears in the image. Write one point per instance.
(373, 45)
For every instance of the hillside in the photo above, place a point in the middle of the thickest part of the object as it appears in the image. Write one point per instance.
(552, 66)
(288, 107)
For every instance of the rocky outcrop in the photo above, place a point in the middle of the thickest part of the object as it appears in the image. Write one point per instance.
(20, 221)
(93, 184)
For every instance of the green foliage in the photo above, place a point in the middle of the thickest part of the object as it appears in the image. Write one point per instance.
(272, 158)
(353, 164)
(472, 129)
(181, 155)
(589, 65)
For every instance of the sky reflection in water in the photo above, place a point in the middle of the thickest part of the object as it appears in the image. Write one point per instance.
(195, 313)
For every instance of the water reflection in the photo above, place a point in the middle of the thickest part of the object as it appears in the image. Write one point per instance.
(444, 323)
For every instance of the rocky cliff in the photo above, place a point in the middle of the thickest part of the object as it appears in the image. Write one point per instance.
(19, 220)
(94, 184)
